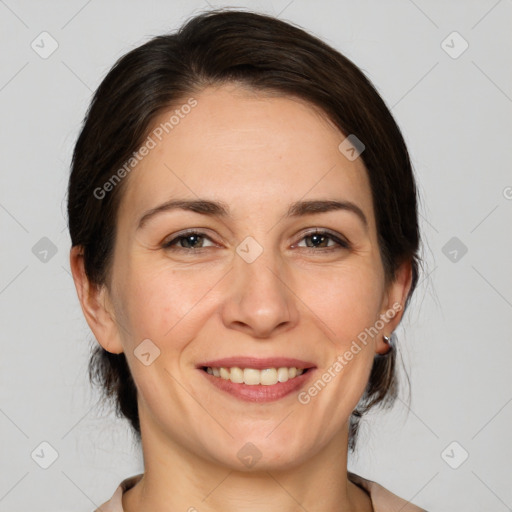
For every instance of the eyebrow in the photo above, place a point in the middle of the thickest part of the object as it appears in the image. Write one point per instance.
(203, 206)
(220, 209)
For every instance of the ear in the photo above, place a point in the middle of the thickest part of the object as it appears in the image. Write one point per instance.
(393, 304)
(95, 302)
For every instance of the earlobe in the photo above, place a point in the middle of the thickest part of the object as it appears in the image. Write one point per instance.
(93, 300)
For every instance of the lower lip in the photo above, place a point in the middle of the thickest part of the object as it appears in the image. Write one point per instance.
(258, 392)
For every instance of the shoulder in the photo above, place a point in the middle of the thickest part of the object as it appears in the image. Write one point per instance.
(115, 504)
(382, 499)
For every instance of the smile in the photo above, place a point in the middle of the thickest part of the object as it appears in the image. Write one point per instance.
(254, 376)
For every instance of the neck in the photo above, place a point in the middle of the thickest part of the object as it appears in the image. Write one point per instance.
(176, 479)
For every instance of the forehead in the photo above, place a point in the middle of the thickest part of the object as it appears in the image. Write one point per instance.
(246, 148)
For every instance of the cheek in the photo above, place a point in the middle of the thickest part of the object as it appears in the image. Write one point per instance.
(162, 304)
(347, 299)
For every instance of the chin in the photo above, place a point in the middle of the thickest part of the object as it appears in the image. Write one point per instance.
(261, 453)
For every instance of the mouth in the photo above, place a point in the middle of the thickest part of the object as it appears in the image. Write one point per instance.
(257, 380)
(254, 376)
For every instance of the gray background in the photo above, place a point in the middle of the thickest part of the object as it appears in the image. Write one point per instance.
(456, 117)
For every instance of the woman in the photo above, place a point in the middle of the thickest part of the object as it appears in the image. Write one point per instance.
(242, 211)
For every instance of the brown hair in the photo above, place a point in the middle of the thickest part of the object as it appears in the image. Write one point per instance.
(265, 54)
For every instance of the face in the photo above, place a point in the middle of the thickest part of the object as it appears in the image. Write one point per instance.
(247, 240)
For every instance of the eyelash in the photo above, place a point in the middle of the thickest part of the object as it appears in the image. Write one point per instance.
(341, 243)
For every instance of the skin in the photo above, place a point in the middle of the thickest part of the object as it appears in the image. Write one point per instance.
(246, 149)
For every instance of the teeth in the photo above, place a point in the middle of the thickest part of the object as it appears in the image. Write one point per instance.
(283, 374)
(236, 375)
(253, 377)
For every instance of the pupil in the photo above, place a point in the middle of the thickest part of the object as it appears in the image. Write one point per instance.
(191, 240)
(317, 240)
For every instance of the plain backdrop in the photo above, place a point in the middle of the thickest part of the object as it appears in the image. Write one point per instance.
(444, 69)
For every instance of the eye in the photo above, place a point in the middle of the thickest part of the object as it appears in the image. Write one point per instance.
(323, 239)
(188, 240)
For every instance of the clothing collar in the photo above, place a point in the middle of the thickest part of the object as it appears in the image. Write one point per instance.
(382, 499)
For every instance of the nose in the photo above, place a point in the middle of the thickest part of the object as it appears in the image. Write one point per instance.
(260, 301)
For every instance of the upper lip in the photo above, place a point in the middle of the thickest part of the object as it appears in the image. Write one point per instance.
(257, 363)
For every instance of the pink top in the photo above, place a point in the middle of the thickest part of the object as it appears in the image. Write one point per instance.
(382, 499)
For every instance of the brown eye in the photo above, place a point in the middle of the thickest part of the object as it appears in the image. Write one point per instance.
(191, 240)
(317, 240)
(323, 239)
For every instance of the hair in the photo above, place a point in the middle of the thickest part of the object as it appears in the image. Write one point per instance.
(264, 54)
